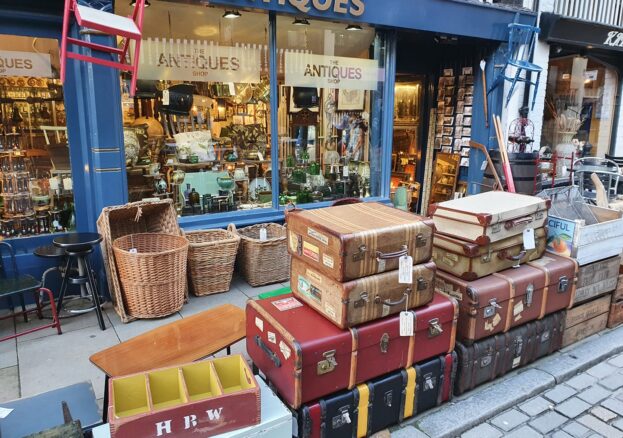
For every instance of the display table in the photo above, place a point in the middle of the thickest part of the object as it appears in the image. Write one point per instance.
(44, 411)
(276, 419)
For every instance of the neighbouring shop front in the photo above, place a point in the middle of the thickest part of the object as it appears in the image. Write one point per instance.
(241, 107)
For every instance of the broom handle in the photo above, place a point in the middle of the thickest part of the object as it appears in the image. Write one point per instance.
(508, 173)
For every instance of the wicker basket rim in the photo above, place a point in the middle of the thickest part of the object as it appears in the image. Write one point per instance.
(150, 254)
(231, 238)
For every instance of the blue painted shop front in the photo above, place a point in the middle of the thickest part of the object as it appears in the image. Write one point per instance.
(93, 99)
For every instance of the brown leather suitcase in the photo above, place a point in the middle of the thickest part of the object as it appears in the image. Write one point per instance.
(470, 261)
(364, 299)
(490, 216)
(510, 298)
(492, 357)
(357, 240)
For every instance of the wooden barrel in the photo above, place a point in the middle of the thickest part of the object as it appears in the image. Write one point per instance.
(525, 172)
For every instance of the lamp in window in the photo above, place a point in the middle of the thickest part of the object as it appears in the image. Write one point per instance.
(221, 111)
(300, 22)
(232, 14)
(354, 27)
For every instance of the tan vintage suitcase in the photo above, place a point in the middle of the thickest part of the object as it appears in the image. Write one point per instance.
(586, 320)
(357, 240)
(489, 217)
(470, 261)
(364, 299)
(615, 317)
(597, 278)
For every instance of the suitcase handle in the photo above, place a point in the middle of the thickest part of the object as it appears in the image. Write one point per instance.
(504, 255)
(392, 255)
(518, 222)
(391, 303)
(272, 356)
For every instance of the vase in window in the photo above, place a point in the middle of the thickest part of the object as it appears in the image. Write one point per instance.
(566, 152)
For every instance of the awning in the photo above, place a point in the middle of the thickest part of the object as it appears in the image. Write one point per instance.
(564, 30)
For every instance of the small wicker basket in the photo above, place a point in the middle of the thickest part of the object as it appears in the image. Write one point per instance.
(211, 259)
(263, 261)
(152, 273)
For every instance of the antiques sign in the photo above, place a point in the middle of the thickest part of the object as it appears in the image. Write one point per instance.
(559, 29)
(199, 61)
(25, 64)
(614, 39)
(307, 70)
(355, 8)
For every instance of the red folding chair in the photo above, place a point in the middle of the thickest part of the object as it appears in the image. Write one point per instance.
(129, 28)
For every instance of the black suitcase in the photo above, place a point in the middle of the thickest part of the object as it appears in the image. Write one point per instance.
(434, 381)
(387, 401)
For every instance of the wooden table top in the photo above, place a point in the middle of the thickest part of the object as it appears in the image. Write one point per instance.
(179, 342)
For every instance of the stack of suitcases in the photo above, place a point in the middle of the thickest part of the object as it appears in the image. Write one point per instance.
(490, 254)
(363, 341)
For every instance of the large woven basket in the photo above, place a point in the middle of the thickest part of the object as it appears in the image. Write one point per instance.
(121, 220)
(263, 261)
(153, 279)
(211, 259)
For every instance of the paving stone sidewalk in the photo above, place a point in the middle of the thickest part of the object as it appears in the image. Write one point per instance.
(577, 392)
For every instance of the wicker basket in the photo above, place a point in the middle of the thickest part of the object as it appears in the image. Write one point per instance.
(153, 279)
(121, 220)
(263, 261)
(211, 258)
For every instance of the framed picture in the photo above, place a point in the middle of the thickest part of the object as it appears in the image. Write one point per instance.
(464, 151)
(468, 110)
(467, 121)
(467, 71)
(446, 141)
(448, 121)
(459, 107)
(459, 119)
(469, 80)
(438, 143)
(450, 91)
(469, 100)
(469, 90)
(351, 100)
(448, 130)
(464, 162)
(447, 101)
(457, 144)
(448, 111)
(439, 130)
(448, 72)
(441, 93)
(460, 94)
(465, 140)
(446, 149)
(462, 81)
(467, 131)
(458, 132)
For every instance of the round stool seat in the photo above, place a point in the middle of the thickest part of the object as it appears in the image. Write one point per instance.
(49, 251)
(79, 251)
(77, 241)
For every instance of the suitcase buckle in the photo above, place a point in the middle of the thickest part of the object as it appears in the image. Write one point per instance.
(428, 382)
(384, 342)
(485, 361)
(529, 293)
(341, 419)
(328, 364)
(434, 328)
(420, 240)
(360, 254)
(361, 302)
(563, 284)
(422, 284)
(491, 309)
(388, 398)
(487, 257)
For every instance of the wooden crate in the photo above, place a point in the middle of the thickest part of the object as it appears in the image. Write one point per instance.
(618, 292)
(587, 243)
(615, 317)
(596, 279)
(586, 320)
(207, 397)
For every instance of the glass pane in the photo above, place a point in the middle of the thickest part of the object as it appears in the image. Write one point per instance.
(37, 189)
(198, 128)
(580, 103)
(330, 107)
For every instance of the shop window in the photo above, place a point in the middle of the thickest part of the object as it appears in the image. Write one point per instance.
(580, 104)
(330, 93)
(37, 189)
(198, 129)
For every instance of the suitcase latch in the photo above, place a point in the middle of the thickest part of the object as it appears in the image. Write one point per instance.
(545, 336)
(361, 302)
(384, 342)
(299, 245)
(422, 284)
(487, 257)
(518, 346)
(360, 254)
(529, 293)
(388, 398)
(490, 310)
(420, 240)
(486, 361)
(341, 419)
(434, 328)
(428, 382)
(328, 364)
(563, 284)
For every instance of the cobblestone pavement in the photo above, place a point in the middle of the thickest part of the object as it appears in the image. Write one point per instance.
(587, 405)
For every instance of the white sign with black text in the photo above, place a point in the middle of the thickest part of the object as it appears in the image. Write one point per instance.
(25, 64)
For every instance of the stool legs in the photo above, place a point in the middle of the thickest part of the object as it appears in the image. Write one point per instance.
(92, 286)
(61, 294)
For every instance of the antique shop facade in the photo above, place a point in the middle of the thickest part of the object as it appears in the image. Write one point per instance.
(292, 101)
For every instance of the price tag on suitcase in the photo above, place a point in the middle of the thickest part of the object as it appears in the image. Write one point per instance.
(405, 270)
(528, 239)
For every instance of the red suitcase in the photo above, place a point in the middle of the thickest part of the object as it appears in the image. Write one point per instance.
(306, 357)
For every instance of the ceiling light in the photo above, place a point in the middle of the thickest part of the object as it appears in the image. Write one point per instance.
(147, 4)
(353, 27)
(300, 22)
(232, 14)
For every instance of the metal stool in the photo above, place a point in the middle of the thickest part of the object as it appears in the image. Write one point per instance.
(78, 247)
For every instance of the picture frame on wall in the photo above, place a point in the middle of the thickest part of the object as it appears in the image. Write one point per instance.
(467, 110)
(469, 80)
(448, 111)
(448, 72)
(464, 162)
(460, 94)
(469, 100)
(309, 95)
(467, 131)
(469, 90)
(449, 91)
(448, 121)
(439, 130)
(448, 130)
(464, 151)
(446, 149)
(446, 141)
(462, 81)
(465, 140)
(351, 100)
(467, 121)
(457, 144)
(458, 132)
(441, 93)
(438, 143)
(459, 119)
(460, 107)
(468, 70)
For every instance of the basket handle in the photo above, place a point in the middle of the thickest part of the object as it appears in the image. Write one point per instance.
(231, 228)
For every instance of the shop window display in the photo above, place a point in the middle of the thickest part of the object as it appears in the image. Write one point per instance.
(329, 118)
(198, 129)
(37, 189)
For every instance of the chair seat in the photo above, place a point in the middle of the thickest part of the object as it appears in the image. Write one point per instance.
(106, 22)
(525, 65)
(17, 285)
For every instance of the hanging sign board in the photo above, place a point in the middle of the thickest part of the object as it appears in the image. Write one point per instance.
(25, 64)
(198, 61)
(307, 70)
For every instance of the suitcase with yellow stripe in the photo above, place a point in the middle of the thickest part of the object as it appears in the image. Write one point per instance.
(356, 240)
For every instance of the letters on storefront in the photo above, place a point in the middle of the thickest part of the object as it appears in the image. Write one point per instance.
(355, 8)
(614, 39)
(25, 64)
